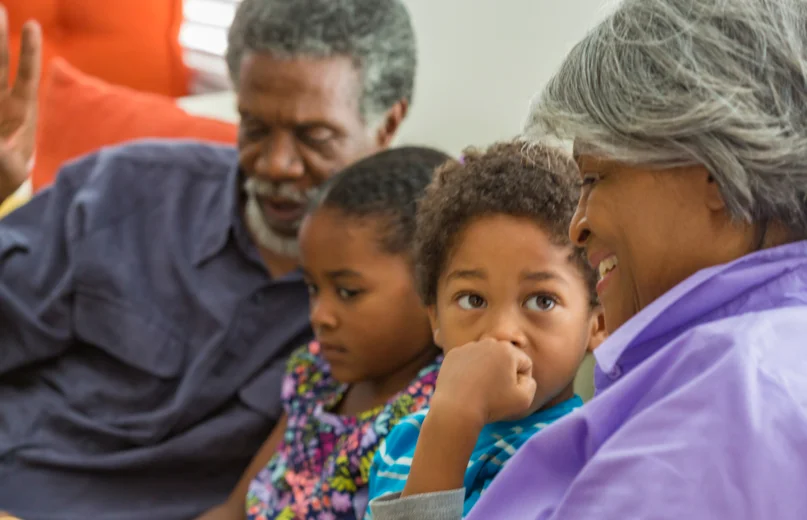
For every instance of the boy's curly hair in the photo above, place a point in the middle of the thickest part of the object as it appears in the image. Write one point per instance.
(511, 178)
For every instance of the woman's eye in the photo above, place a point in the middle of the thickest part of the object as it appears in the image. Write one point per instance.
(588, 179)
(471, 301)
(312, 290)
(540, 303)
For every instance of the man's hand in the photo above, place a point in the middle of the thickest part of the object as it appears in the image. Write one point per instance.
(486, 381)
(18, 105)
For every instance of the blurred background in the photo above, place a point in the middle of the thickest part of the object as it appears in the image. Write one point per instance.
(473, 85)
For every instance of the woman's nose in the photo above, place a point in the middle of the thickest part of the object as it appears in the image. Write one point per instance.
(578, 228)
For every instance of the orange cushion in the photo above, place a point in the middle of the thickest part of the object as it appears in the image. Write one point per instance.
(80, 114)
(128, 42)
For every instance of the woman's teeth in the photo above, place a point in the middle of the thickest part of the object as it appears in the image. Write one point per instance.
(606, 266)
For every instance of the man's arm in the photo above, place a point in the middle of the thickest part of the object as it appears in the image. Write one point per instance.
(36, 271)
(235, 506)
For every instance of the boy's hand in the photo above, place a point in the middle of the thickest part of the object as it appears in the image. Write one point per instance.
(485, 381)
(479, 383)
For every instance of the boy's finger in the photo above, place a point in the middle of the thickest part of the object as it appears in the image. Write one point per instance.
(523, 362)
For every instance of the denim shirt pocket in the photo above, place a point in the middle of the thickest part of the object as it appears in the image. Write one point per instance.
(137, 340)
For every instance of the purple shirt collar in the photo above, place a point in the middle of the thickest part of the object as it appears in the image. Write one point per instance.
(696, 299)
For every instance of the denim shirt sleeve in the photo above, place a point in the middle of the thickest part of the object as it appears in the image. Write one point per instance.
(36, 268)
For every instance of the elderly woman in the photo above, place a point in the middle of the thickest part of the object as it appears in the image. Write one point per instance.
(689, 119)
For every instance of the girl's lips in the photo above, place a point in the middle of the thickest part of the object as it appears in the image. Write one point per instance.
(331, 348)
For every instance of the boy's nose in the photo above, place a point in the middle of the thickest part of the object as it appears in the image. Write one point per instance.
(507, 328)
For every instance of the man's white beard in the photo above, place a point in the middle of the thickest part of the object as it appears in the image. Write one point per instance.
(262, 232)
(265, 236)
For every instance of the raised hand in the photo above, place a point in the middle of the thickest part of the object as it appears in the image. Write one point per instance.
(18, 105)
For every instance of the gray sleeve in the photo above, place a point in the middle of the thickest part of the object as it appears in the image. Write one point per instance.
(443, 505)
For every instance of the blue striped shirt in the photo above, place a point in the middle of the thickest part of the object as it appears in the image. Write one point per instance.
(496, 444)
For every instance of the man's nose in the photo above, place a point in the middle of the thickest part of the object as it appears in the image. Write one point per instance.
(279, 160)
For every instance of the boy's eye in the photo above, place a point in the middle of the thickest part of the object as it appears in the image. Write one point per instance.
(540, 303)
(346, 294)
(470, 301)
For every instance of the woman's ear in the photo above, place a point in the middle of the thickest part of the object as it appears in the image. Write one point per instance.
(597, 333)
(435, 325)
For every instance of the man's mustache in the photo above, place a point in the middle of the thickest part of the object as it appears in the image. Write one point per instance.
(286, 191)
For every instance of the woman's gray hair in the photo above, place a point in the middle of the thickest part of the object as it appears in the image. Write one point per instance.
(377, 35)
(721, 83)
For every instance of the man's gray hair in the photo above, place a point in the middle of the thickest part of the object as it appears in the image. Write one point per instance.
(721, 83)
(377, 35)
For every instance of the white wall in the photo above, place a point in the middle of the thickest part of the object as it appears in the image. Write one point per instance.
(481, 61)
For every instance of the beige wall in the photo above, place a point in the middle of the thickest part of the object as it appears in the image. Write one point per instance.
(481, 61)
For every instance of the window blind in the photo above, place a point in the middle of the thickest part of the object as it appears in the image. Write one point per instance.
(203, 37)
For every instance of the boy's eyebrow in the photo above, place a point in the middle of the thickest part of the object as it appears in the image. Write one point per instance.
(466, 274)
(541, 276)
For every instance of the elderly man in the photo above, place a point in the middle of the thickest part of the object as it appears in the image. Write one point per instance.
(149, 298)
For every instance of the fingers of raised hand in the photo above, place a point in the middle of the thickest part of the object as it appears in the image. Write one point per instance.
(30, 66)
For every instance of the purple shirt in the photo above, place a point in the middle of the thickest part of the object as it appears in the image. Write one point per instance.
(701, 411)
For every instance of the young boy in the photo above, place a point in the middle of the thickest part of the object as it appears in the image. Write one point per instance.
(497, 272)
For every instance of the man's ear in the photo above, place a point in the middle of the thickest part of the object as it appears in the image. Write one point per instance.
(391, 122)
(432, 311)
(597, 333)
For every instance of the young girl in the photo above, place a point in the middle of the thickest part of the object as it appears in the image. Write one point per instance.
(497, 271)
(373, 361)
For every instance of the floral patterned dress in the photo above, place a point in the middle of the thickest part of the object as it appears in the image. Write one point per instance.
(321, 469)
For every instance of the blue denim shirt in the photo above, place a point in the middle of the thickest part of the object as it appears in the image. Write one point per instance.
(142, 341)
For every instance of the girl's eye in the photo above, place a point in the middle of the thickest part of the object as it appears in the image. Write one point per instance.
(346, 294)
(312, 289)
(540, 303)
(470, 301)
